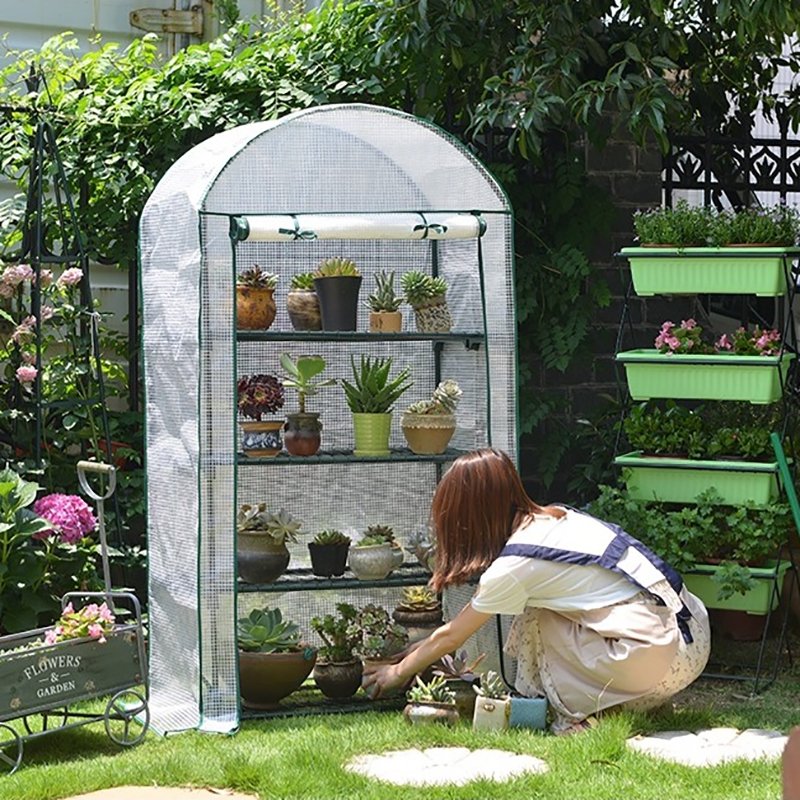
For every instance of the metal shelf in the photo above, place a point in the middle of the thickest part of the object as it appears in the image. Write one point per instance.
(397, 455)
(471, 339)
(301, 579)
(308, 700)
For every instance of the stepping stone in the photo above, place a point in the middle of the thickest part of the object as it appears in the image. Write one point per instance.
(444, 766)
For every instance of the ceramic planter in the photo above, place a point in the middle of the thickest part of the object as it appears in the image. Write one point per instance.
(419, 624)
(255, 308)
(428, 434)
(258, 558)
(700, 582)
(434, 318)
(385, 321)
(266, 678)
(302, 434)
(680, 480)
(371, 434)
(431, 713)
(338, 680)
(490, 714)
(338, 301)
(262, 438)
(528, 712)
(465, 696)
(757, 379)
(303, 308)
(709, 270)
(374, 562)
(328, 560)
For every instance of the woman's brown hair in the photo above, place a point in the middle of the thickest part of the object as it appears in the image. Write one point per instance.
(477, 505)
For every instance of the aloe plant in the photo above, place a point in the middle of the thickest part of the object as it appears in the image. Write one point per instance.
(372, 392)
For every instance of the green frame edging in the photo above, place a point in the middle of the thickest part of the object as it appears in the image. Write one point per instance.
(709, 270)
(680, 480)
(754, 379)
(700, 582)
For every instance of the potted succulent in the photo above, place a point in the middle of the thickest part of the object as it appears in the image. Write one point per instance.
(492, 705)
(429, 425)
(427, 296)
(386, 532)
(259, 395)
(255, 304)
(383, 305)
(337, 282)
(328, 552)
(459, 672)
(273, 662)
(372, 557)
(302, 303)
(337, 672)
(261, 536)
(751, 366)
(377, 638)
(419, 612)
(679, 452)
(303, 429)
(431, 702)
(421, 546)
(695, 250)
(370, 397)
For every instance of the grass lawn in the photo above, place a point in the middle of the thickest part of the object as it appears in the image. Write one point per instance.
(301, 757)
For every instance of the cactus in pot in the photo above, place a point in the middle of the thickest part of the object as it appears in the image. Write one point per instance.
(427, 296)
(255, 304)
(429, 425)
(302, 303)
(337, 282)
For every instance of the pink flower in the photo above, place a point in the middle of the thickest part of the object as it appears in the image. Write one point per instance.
(48, 312)
(688, 324)
(28, 358)
(17, 274)
(96, 632)
(24, 331)
(51, 636)
(26, 374)
(68, 609)
(70, 277)
(724, 342)
(68, 513)
(45, 276)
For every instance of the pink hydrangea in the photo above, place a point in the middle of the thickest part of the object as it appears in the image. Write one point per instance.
(26, 374)
(68, 513)
(70, 277)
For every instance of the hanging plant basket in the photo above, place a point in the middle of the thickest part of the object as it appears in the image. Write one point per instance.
(755, 379)
(700, 582)
(709, 270)
(680, 480)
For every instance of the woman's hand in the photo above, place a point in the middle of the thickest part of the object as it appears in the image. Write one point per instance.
(381, 680)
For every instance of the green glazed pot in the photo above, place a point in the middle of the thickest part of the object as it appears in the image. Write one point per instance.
(372, 434)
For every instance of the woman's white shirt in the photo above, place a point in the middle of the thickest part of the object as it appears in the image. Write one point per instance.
(513, 583)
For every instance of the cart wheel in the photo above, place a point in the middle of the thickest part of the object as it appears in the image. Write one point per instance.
(127, 718)
(50, 720)
(10, 748)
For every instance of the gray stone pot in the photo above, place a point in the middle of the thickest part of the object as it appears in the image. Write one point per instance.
(372, 563)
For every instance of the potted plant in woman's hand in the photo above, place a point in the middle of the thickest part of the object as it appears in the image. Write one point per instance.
(427, 296)
(370, 397)
(337, 282)
(261, 552)
(429, 425)
(329, 553)
(337, 672)
(273, 662)
(419, 612)
(259, 395)
(383, 305)
(303, 428)
(255, 304)
(302, 303)
(431, 701)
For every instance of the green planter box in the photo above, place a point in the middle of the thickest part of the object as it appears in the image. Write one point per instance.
(680, 480)
(41, 678)
(757, 601)
(709, 270)
(756, 379)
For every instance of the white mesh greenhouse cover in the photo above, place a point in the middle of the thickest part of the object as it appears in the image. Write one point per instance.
(358, 161)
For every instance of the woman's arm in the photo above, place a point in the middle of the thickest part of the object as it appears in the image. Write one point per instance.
(378, 681)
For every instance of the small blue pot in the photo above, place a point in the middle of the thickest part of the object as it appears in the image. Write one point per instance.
(528, 712)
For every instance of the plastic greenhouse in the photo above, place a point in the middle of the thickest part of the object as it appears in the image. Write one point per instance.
(375, 185)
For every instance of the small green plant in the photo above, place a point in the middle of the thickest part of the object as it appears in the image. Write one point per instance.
(264, 630)
(259, 395)
(777, 226)
(443, 401)
(384, 298)
(257, 278)
(338, 634)
(281, 527)
(331, 537)
(385, 532)
(684, 338)
(422, 290)
(376, 634)
(299, 375)
(434, 691)
(418, 598)
(336, 267)
(681, 226)
(372, 391)
(492, 686)
(421, 546)
(458, 666)
(732, 578)
(302, 282)
(371, 541)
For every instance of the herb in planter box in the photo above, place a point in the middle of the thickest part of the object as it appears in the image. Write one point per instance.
(774, 226)
(681, 226)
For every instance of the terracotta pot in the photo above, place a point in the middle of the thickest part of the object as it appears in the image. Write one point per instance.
(385, 321)
(371, 563)
(262, 438)
(427, 713)
(428, 434)
(338, 680)
(255, 308)
(302, 434)
(328, 560)
(258, 558)
(266, 678)
(303, 308)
